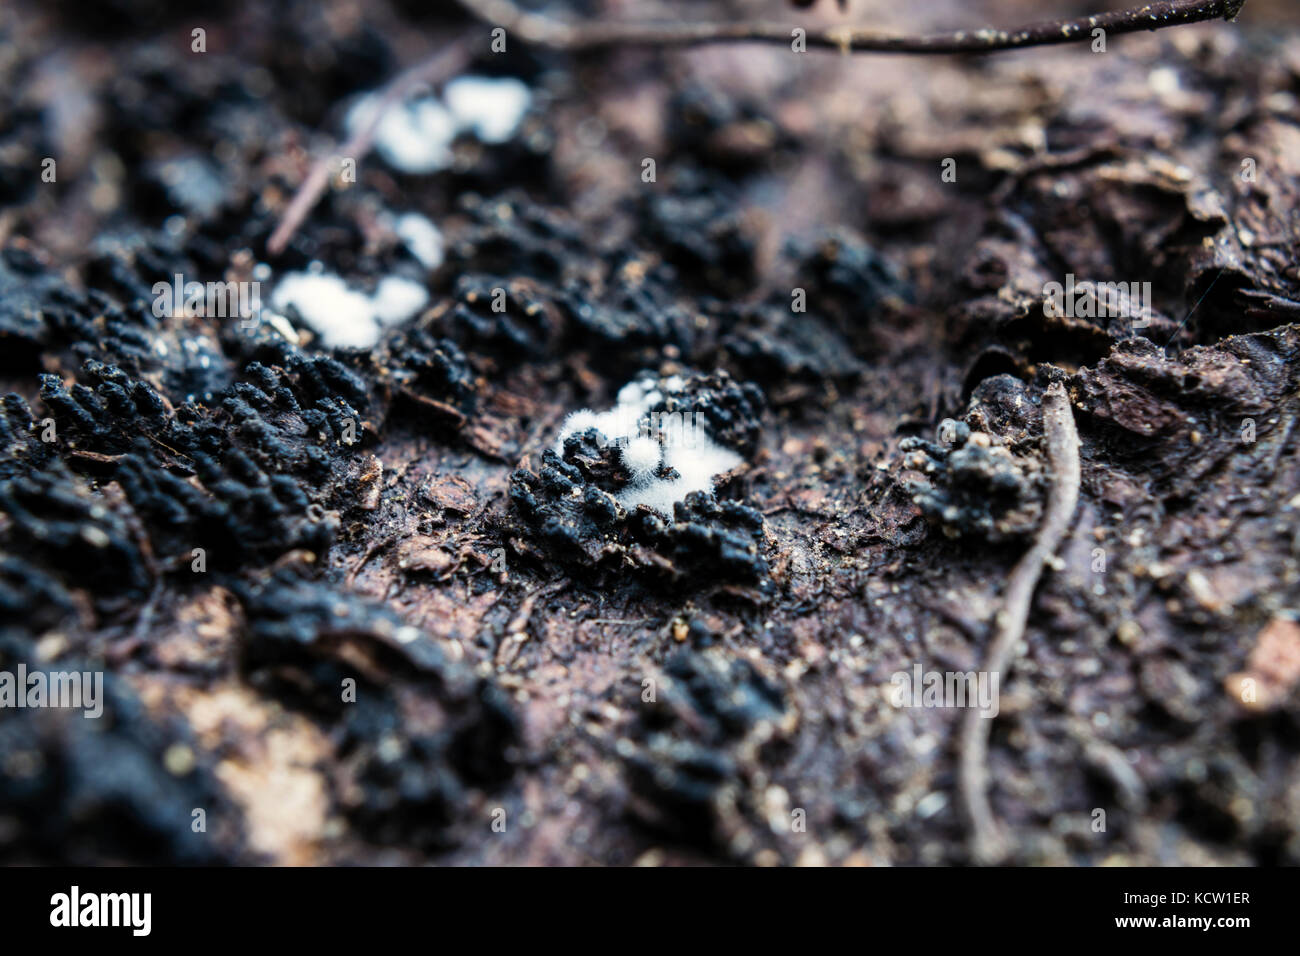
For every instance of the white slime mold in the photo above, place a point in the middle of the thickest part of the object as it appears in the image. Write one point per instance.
(645, 442)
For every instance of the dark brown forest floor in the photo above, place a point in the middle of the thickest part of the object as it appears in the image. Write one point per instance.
(769, 631)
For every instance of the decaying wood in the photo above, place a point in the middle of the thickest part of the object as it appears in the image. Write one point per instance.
(649, 691)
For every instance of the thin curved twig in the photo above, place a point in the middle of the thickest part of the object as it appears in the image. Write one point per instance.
(546, 31)
(988, 844)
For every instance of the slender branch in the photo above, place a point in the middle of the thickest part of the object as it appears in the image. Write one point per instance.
(546, 31)
(988, 843)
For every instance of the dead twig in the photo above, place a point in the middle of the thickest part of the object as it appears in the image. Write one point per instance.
(988, 843)
(546, 31)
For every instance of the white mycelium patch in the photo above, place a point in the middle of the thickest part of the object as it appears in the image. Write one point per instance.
(648, 441)
(642, 458)
(416, 136)
(493, 107)
(343, 316)
(422, 237)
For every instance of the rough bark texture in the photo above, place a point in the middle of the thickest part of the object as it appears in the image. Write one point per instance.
(631, 688)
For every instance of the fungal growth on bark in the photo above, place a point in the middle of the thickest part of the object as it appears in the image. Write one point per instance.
(643, 484)
(546, 433)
